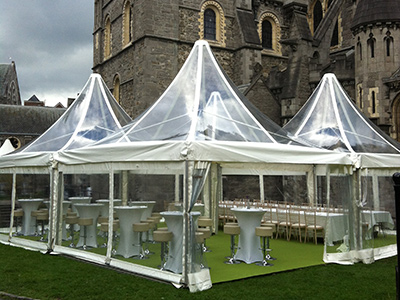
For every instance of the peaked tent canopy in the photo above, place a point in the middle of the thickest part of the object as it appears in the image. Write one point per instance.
(202, 104)
(201, 116)
(6, 148)
(94, 115)
(329, 119)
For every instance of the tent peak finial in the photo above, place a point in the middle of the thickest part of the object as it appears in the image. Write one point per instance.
(95, 75)
(201, 43)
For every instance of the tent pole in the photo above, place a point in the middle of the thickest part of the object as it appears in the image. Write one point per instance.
(261, 180)
(177, 188)
(375, 191)
(53, 207)
(60, 211)
(110, 215)
(13, 196)
(185, 206)
(124, 195)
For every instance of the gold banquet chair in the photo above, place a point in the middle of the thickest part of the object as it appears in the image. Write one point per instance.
(310, 218)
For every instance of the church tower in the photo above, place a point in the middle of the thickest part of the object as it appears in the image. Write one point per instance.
(377, 59)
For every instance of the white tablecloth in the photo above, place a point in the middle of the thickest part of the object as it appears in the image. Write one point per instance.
(106, 206)
(92, 211)
(129, 240)
(29, 222)
(249, 249)
(174, 220)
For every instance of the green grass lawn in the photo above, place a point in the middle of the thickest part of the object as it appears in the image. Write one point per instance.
(35, 275)
(298, 273)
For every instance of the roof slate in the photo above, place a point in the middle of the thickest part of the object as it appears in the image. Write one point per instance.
(373, 11)
(249, 30)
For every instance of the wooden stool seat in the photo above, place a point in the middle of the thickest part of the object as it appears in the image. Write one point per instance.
(205, 231)
(71, 220)
(72, 214)
(231, 229)
(155, 219)
(18, 213)
(34, 213)
(102, 220)
(264, 231)
(204, 222)
(199, 236)
(272, 226)
(85, 221)
(42, 216)
(162, 236)
(140, 227)
(104, 226)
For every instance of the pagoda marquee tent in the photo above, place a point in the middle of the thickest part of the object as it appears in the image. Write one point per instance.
(95, 114)
(330, 119)
(200, 129)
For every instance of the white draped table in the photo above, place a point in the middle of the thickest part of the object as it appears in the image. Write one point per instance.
(106, 207)
(129, 240)
(29, 222)
(249, 249)
(91, 211)
(174, 220)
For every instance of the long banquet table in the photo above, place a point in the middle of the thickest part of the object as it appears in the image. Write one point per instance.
(335, 223)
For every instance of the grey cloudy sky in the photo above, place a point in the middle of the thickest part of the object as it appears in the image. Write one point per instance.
(51, 44)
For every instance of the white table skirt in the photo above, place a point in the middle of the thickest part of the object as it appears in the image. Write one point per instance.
(249, 249)
(92, 211)
(106, 206)
(29, 222)
(174, 220)
(129, 240)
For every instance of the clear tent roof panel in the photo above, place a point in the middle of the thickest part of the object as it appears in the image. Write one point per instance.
(201, 104)
(330, 120)
(94, 115)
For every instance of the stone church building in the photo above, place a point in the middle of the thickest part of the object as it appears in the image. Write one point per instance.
(275, 51)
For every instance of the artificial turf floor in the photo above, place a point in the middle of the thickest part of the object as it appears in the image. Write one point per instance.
(289, 255)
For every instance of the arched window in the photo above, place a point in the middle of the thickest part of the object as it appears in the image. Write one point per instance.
(359, 46)
(371, 45)
(127, 26)
(388, 43)
(210, 28)
(212, 23)
(107, 38)
(269, 32)
(116, 87)
(317, 14)
(266, 34)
